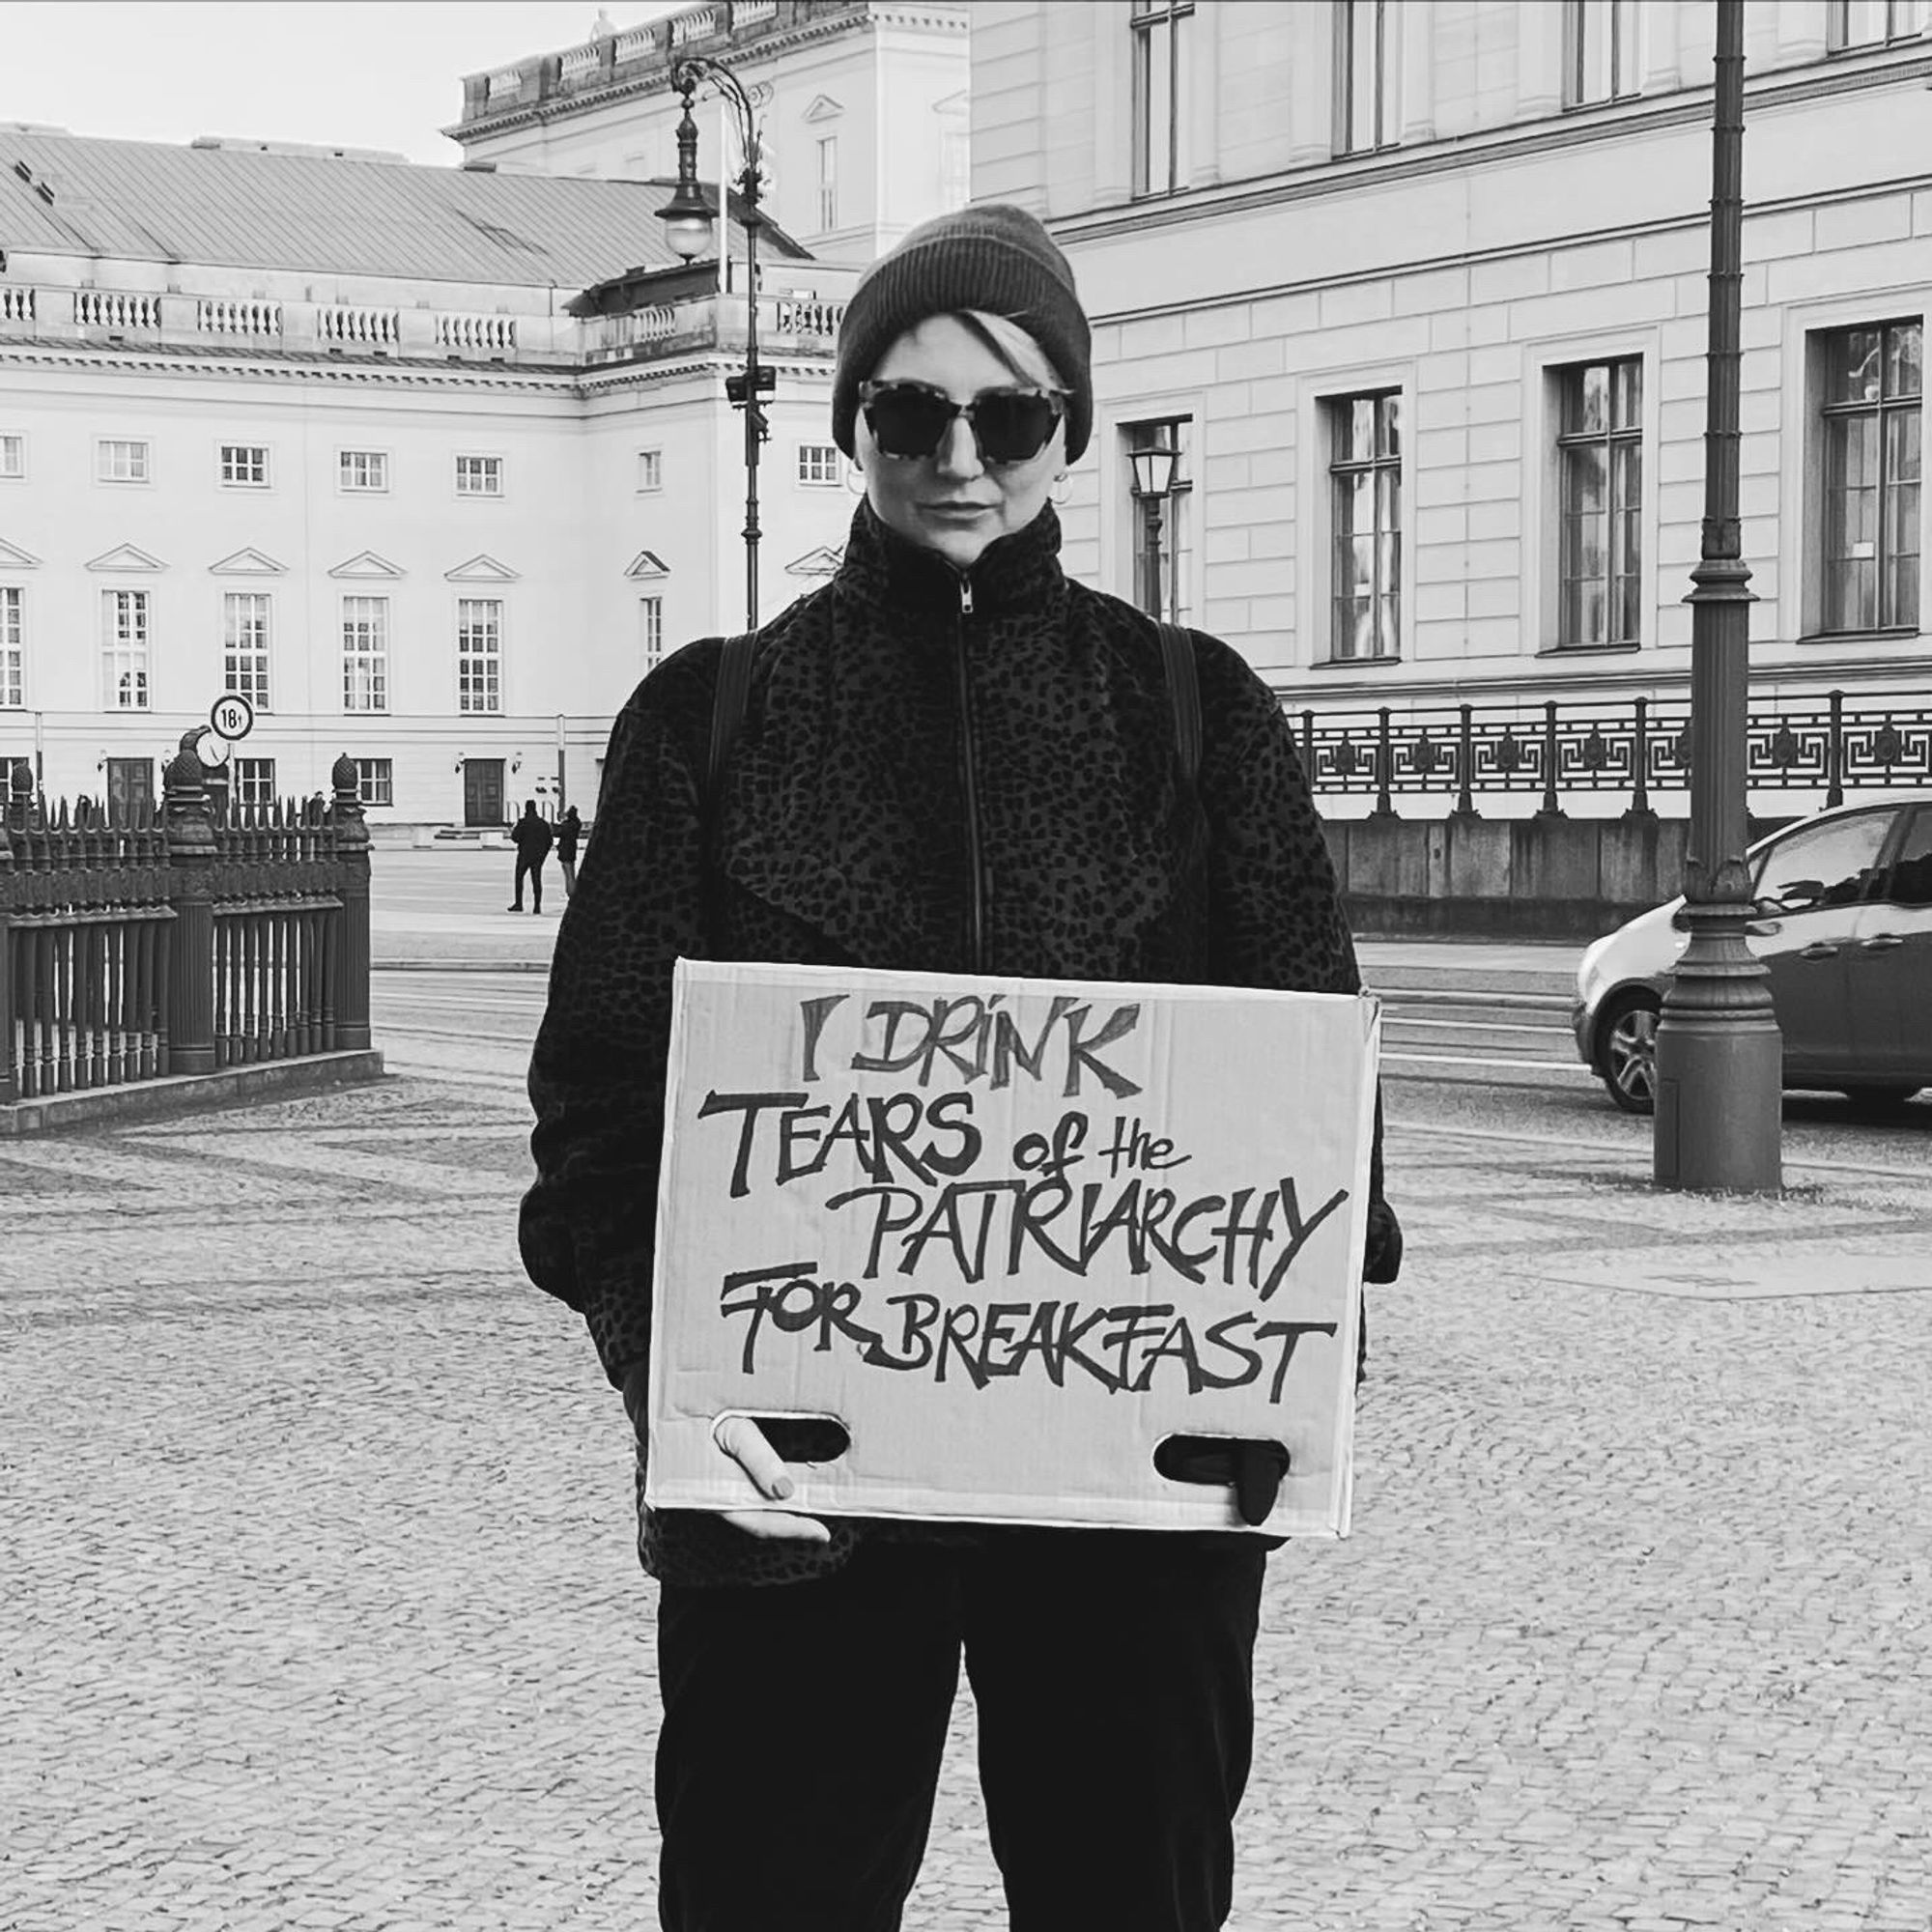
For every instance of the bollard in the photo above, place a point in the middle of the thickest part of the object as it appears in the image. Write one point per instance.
(189, 1048)
(351, 852)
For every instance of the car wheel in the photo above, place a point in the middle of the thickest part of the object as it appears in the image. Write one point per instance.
(1628, 1060)
(1878, 1100)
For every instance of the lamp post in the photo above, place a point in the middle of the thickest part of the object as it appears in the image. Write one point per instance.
(1154, 468)
(687, 219)
(1719, 1066)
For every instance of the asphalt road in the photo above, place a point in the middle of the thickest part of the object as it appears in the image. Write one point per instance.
(475, 1028)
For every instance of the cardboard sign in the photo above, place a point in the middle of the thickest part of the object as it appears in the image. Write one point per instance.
(1013, 1234)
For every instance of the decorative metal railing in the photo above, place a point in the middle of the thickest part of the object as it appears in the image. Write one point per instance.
(181, 941)
(1821, 742)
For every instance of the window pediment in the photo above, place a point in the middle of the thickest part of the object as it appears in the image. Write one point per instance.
(366, 564)
(481, 569)
(125, 556)
(249, 563)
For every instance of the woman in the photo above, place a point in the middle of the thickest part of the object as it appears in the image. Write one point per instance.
(569, 829)
(952, 759)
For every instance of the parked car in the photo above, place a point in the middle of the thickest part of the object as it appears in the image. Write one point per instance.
(1842, 920)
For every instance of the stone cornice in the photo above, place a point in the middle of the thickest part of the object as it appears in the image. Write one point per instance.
(564, 383)
(1541, 244)
(1315, 181)
(652, 79)
(385, 374)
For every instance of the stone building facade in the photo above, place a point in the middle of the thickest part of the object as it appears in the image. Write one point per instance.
(429, 464)
(1421, 290)
(863, 102)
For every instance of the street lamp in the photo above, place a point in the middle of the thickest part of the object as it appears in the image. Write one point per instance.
(1155, 466)
(687, 219)
(1717, 1077)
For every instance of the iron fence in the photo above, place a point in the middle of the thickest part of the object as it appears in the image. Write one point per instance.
(182, 940)
(1638, 747)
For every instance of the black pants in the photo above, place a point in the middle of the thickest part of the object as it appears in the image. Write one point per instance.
(534, 868)
(804, 1725)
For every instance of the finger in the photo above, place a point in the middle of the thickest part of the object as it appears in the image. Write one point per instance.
(746, 1443)
(779, 1525)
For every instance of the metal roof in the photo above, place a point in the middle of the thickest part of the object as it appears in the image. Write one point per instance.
(239, 207)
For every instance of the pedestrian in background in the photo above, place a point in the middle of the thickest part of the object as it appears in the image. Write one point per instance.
(569, 829)
(532, 837)
(952, 759)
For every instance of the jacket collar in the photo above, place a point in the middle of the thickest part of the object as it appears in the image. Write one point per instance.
(882, 567)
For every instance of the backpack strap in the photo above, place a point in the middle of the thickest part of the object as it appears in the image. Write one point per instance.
(1183, 690)
(727, 712)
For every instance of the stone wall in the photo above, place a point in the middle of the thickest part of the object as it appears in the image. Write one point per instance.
(1547, 877)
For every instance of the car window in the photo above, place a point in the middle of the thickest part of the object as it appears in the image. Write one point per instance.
(1908, 880)
(1823, 865)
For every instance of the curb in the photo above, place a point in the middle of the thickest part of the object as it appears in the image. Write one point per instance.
(459, 966)
(192, 1093)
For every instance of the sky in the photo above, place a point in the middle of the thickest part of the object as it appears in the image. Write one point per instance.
(359, 73)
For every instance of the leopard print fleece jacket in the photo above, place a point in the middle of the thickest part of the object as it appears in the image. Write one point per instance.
(843, 838)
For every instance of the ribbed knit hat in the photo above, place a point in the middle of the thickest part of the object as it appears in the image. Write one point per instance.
(997, 259)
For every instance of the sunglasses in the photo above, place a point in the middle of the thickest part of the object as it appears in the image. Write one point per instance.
(1008, 426)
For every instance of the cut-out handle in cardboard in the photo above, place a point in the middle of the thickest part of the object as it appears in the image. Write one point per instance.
(803, 1439)
(1254, 1470)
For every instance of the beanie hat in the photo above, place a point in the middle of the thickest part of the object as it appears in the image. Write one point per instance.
(997, 259)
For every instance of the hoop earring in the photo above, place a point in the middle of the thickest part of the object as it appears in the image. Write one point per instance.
(855, 479)
(1062, 488)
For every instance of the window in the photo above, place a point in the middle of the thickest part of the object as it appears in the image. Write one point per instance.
(13, 457)
(124, 647)
(365, 654)
(363, 470)
(480, 654)
(820, 462)
(1365, 490)
(13, 647)
(1908, 880)
(651, 629)
(1367, 81)
(650, 470)
(1600, 51)
(1600, 488)
(244, 465)
(254, 781)
(1829, 865)
(479, 475)
(1870, 23)
(828, 183)
(1873, 400)
(1166, 543)
(376, 781)
(1160, 91)
(120, 461)
(244, 645)
(956, 168)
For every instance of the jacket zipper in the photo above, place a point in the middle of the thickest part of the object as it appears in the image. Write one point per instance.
(976, 937)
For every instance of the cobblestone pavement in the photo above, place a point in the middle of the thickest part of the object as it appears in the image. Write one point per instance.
(320, 1609)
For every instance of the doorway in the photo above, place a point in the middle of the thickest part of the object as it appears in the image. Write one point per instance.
(483, 792)
(130, 786)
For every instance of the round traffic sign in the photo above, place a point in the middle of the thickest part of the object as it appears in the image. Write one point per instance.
(211, 748)
(233, 715)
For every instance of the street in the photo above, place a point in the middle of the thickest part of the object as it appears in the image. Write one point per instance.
(322, 1610)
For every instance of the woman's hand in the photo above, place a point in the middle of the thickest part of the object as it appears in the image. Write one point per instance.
(743, 1441)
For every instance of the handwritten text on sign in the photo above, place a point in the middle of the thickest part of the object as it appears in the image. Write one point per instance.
(978, 1188)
